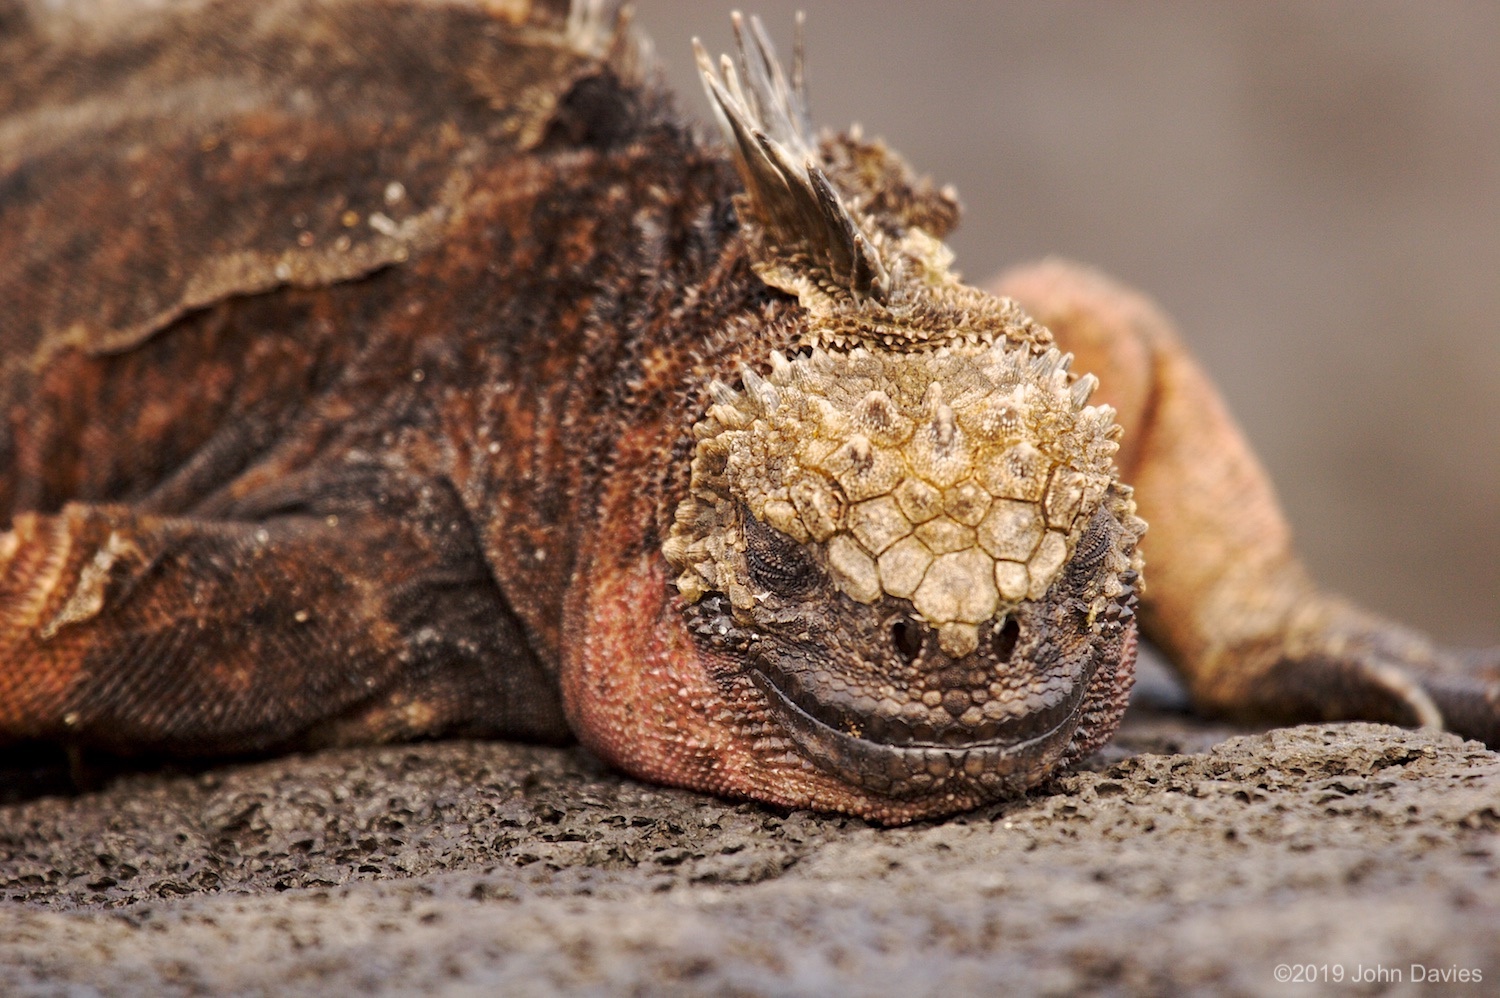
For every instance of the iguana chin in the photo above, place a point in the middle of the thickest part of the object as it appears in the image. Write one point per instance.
(349, 403)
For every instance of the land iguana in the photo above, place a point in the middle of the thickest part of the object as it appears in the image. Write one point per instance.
(388, 369)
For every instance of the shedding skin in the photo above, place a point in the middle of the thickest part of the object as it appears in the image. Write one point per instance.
(431, 377)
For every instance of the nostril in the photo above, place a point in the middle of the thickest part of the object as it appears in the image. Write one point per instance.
(1006, 638)
(907, 637)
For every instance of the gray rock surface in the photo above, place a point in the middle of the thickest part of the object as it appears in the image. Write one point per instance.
(1179, 861)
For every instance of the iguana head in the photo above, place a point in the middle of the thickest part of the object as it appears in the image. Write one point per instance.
(906, 540)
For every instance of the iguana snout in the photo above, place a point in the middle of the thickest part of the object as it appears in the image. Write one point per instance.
(868, 694)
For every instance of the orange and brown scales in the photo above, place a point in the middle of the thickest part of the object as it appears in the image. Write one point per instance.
(380, 371)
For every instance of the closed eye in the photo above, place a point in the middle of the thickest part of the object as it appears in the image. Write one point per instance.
(777, 562)
(1092, 546)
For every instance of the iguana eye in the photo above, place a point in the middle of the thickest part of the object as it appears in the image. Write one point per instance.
(1089, 554)
(777, 562)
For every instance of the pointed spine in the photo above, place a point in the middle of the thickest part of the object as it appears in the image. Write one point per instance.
(765, 123)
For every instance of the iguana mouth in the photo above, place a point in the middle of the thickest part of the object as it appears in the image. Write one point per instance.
(884, 755)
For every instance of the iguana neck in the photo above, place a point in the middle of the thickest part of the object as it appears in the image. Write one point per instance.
(598, 364)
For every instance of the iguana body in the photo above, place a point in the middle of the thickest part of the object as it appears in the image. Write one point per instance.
(387, 370)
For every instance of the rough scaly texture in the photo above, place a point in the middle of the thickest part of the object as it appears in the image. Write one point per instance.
(961, 479)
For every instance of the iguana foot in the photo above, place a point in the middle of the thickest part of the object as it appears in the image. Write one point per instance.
(1344, 664)
(1329, 662)
(1466, 688)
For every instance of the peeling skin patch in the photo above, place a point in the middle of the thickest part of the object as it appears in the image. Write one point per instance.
(51, 550)
(87, 598)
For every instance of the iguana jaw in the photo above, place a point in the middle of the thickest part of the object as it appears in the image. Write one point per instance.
(1004, 766)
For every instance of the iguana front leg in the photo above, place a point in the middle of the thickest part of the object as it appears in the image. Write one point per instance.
(1227, 598)
(132, 632)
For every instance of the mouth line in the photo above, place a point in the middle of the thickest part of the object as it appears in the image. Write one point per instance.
(943, 730)
(996, 767)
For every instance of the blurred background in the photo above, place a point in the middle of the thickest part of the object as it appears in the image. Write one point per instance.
(1311, 189)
